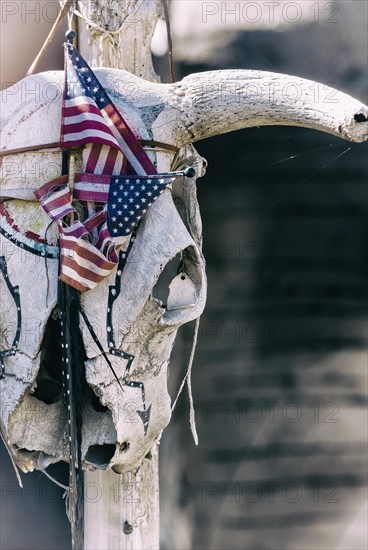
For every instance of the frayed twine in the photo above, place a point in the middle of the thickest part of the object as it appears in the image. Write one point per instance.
(188, 381)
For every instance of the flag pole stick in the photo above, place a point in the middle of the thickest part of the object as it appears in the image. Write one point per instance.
(60, 18)
(73, 376)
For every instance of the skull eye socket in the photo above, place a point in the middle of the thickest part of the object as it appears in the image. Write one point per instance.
(161, 289)
(100, 455)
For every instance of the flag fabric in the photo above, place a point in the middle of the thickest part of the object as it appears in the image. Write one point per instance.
(130, 198)
(90, 117)
(82, 264)
(92, 230)
(126, 200)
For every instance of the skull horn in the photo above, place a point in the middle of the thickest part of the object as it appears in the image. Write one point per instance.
(218, 102)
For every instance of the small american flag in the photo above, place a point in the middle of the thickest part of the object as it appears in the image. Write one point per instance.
(83, 265)
(130, 198)
(90, 241)
(90, 117)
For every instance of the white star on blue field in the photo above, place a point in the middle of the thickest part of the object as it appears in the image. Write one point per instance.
(130, 197)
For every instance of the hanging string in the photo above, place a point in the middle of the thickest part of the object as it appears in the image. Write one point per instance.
(192, 421)
(96, 26)
(188, 380)
(106, 34)
(54, 480)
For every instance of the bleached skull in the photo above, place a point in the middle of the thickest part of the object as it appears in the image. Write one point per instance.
(119, 428)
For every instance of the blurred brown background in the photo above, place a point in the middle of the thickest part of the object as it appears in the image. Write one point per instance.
(24, 28)
(280, 372)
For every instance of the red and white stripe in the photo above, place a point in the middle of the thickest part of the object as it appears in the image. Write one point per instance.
(83, 266)
(88, 252)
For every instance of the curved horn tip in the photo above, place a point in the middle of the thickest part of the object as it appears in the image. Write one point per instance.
(357, 130)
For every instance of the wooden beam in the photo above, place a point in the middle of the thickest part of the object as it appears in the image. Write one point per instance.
(125, 511)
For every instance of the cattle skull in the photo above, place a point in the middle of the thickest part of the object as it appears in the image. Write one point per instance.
(120, 428)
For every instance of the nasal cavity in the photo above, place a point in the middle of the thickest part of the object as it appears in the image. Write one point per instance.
(100, 455)
(48, 382)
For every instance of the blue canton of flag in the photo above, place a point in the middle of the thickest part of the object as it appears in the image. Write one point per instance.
(82, 80)
(131, 196)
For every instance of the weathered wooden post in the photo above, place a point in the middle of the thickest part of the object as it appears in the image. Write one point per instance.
(121, 509)
(120, 431)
